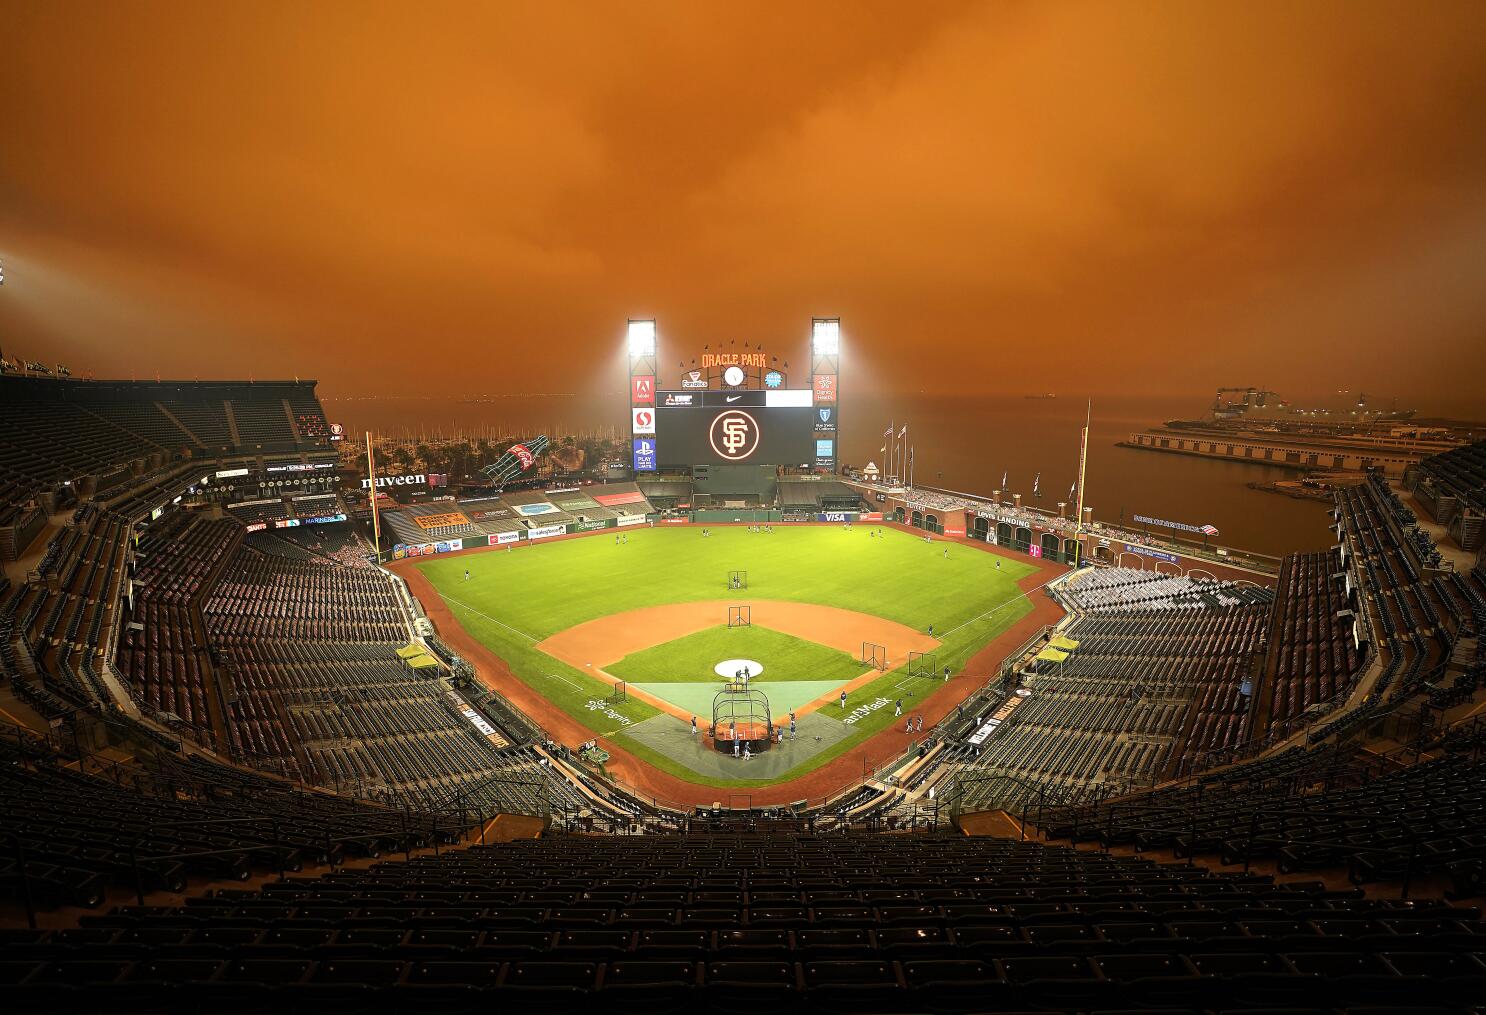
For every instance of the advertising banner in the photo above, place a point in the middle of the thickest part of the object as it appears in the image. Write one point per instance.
(323, 519)
(1146, 551)
(1201, 530)
(642, 390)
(673, 521)
(540, 507)
(257, 527)
(825, 419)
(825, 388)
(615, 499)
(693, 379)
(793, 398)
(387, 481)
(624, 520)
(954, 532)
(824, 447)
(642, 421)
(440, 521)
(286, 523)
(601, 523)
(1002, 713)
(1035, 549)
(313, 467)
(836, 516)
(448, 545)
(230, 473)
(572, 504)
(547, 531)
(870, 516)
(502, 538)
(644, 454)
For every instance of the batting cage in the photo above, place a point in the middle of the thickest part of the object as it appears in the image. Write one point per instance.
(737, 579)
(740, 616)
(740, 715)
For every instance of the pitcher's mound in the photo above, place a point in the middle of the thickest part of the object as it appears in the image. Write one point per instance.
(730, 668)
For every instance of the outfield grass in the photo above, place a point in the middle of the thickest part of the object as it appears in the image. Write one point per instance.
(516, 599)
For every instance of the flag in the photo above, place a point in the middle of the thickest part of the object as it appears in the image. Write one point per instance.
(883, 449)
(1003, 480)
(910, 455)
(1209, 530)
(888, 432)
(1036, 483)
(904, 432)
(1072, 489)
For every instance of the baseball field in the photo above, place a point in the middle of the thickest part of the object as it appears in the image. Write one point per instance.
(670, 615)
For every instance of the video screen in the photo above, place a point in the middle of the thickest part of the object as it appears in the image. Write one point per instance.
(738, 428)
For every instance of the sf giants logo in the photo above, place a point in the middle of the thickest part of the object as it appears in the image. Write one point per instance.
(734, 435)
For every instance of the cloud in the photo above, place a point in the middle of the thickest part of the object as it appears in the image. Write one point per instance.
(342, 188)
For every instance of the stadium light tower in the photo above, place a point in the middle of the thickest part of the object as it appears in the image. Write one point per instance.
(825, 336)
(825, 386)
(641, 338)
(642, 383)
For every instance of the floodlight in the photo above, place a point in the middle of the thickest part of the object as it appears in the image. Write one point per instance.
(825, 336)
(641, 339)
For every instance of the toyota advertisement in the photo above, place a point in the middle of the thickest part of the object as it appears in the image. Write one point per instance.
(737, 428)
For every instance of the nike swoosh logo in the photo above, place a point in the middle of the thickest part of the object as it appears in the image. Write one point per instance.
(734, 398)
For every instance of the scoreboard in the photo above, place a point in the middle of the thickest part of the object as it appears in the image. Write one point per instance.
(737, 427)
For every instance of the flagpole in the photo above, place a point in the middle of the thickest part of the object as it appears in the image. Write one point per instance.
(371, 472)
(1083, 461)
(892, 431)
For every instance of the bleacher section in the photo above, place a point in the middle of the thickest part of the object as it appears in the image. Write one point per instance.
(1452, 488)
(1120, 588)
(1309, 809)
(478, 518)
(162, 648)
(776, 923)
(62, 438)
(1314, 656)
(1137, 697)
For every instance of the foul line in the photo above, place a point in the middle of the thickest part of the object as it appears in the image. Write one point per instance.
(487, 616)
(996, 609)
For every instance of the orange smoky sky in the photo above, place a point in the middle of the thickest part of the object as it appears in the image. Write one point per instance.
(1140, 197)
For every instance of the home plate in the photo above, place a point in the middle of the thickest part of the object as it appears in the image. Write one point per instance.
(729, 668)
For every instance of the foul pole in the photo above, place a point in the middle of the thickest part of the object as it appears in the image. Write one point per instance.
(1083, 461)
(371, 472)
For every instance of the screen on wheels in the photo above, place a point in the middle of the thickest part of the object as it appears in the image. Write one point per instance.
(735, 428)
